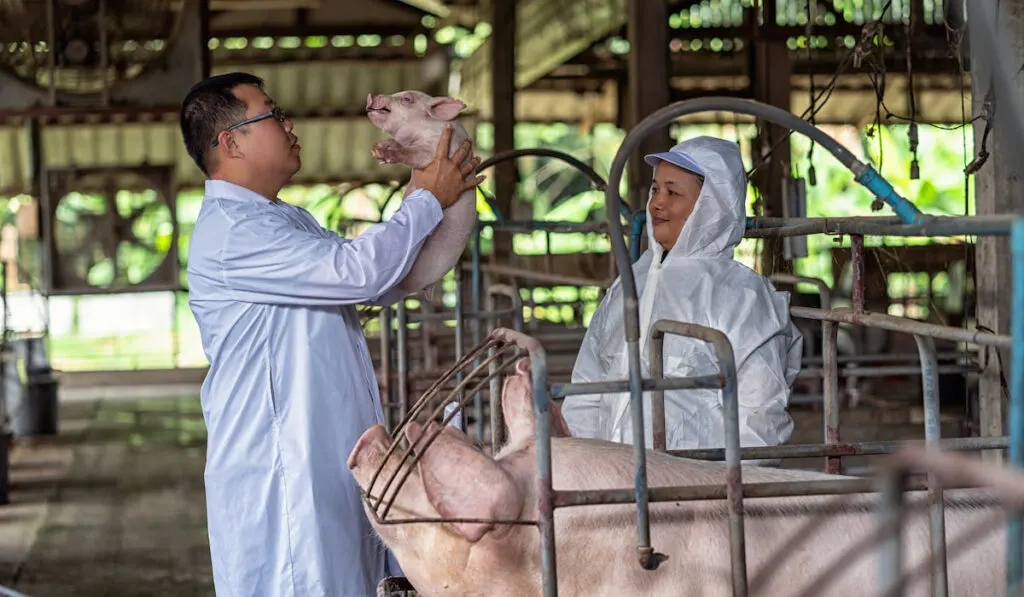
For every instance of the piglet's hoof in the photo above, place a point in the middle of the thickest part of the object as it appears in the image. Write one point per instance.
(384, 152)
(395, 586)
(519, 339)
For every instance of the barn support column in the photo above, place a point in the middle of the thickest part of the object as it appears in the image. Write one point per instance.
(771, 72)
(649, 72)
(999, 189)
(503, 98)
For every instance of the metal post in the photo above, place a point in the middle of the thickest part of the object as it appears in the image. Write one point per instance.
(891, 575)
(385, 368)
(933, 435)
(857, 262)
(830, 370)
(658, 396)
(459, 334)
(1015, 539)
(403, 360)
(545, 489)
(478, 401)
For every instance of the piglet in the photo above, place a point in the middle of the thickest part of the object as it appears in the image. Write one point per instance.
(414, 120)
(812, 545)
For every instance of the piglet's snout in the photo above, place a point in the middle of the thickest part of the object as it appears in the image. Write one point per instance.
(376, 102)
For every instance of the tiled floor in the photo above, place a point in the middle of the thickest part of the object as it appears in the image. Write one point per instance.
(112, 506)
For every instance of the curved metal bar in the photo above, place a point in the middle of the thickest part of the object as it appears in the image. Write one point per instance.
(413, 412)
(599, 182)
(824, 292)
(933, 435)
(733, 476)
(437, 432)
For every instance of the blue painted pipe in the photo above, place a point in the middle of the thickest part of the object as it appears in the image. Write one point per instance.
(880, 187)
(1015, 539)
(639, 222)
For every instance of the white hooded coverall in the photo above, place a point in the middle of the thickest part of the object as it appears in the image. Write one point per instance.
(698, 282)
(291, 388)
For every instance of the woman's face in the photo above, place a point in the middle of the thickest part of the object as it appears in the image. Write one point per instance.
(674, 193)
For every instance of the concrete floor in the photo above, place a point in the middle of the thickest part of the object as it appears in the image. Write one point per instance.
(112, 506)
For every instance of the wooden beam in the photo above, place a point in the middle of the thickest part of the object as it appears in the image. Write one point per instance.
(503, 91)
(770, 81)
(548, 34)
(648, 87)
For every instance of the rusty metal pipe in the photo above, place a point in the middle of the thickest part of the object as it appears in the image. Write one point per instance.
(777, 489)
(901, 324)
(961, 444)
(829, 331)
(993, 225)
(385, 366)
(857, 262)
(824, 292)
(658, 396)
(403, 360)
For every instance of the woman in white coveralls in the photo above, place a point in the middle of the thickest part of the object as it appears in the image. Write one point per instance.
(695, 219)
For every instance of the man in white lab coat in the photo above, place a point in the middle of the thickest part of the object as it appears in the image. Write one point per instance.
(291, 386)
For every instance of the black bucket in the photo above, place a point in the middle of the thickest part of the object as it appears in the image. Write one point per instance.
(37, 412)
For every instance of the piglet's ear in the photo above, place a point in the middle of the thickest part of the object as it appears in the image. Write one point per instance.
(462, 482)
(446, 108)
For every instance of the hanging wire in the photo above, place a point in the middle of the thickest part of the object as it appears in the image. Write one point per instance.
(812, 178)
(915, 171)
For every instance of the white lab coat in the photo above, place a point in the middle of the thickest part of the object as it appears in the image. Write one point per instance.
(291, 388)
(698, 282)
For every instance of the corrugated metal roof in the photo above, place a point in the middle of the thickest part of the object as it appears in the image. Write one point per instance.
(335, 148)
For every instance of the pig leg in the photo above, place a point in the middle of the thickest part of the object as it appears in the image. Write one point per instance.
(390, 152)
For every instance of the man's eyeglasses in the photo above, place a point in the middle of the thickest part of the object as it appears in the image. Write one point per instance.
(277, 113)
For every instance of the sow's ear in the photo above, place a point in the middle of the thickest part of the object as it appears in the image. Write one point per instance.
(446, 108)
(462, 482)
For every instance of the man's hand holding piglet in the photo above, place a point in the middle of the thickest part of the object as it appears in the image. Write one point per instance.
(447, 178)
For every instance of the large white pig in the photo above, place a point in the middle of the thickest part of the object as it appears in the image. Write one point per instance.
(414, 120)
(790, 541)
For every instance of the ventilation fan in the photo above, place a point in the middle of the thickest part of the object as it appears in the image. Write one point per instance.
(134, 32)
(112, 230)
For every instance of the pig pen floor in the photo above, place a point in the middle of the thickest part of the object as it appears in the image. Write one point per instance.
(112, 506)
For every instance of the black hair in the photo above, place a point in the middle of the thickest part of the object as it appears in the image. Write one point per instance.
(209, 108)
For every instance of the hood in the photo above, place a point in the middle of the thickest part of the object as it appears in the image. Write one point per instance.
(718, 221)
